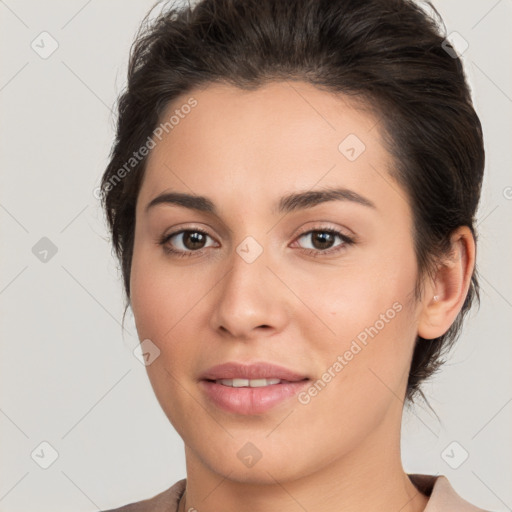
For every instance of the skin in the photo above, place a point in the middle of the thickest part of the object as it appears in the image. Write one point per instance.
(244, 150)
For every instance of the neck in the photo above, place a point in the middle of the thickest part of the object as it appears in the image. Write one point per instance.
(370, 477)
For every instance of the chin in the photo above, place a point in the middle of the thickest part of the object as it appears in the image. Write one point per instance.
(262, 473)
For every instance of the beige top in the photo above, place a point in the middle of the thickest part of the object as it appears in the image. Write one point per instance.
(442, 497)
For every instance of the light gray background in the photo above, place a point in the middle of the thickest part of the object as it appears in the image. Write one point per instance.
(68, 375)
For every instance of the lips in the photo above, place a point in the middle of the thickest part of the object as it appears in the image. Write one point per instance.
(251, 371)
(250, 389)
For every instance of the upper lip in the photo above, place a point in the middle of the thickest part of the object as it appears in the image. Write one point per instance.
(260, 370)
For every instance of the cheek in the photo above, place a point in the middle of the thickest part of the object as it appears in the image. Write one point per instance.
(147, 298)
(355, 298)
(166, 305)
(364, 371)
(161, 295)
(160, 303)
(370, 309)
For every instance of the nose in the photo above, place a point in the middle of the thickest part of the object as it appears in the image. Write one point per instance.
(250, 301)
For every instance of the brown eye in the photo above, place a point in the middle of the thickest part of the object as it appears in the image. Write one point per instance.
(321, 240)
(186, 241)
(193, 239)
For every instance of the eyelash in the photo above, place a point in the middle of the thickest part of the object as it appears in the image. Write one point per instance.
(163, 241)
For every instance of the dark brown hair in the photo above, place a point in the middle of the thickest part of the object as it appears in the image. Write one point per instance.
(391, 54)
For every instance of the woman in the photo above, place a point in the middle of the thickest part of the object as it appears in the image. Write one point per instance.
(292, 195)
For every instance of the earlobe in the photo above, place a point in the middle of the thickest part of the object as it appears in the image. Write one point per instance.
(448, 291)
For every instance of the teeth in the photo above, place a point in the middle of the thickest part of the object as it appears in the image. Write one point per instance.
(248, 383)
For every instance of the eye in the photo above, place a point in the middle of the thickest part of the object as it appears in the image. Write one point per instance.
(191, 242)
(185, 242)
(322, 241)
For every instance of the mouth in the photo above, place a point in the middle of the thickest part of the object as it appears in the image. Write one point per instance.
(250, 389)
(248, 383)
(251, 372)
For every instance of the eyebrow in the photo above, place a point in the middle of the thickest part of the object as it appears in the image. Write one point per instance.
(291, 202)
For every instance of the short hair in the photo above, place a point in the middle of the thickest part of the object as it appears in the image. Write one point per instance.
(392, 55)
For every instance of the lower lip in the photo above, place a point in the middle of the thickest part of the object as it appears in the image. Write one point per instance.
(250, 400)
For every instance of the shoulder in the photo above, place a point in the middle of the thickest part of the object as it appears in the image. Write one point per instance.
(442, 496)
(166, 501)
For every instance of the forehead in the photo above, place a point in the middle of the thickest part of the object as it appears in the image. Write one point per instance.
(283, 135)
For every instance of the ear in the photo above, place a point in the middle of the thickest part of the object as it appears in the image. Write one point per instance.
(445, 296)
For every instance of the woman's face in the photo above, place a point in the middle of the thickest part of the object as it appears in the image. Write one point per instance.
(320, 286)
